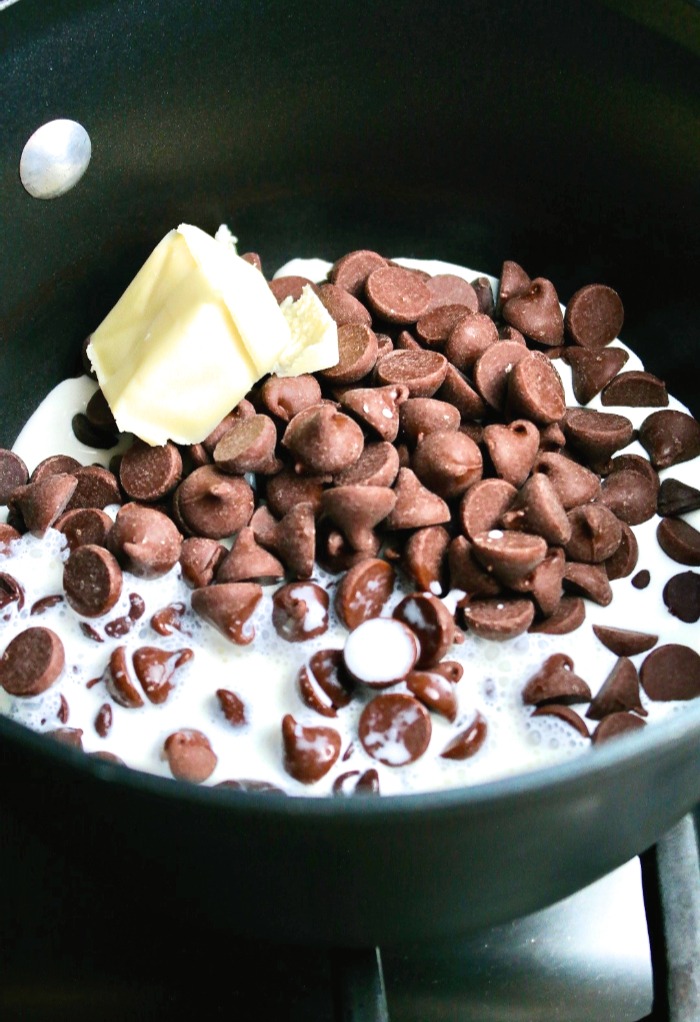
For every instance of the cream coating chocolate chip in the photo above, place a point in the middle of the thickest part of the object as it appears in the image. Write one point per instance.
(156, 668)
(232, 707)
(144, 541)
(435, 326)
(323, 440)
(41, 503)
(422, 372)
(594, 316)
(509, 555)
(378, 465)
(357, 354)
(363, 591)
(395, 729)
(150, 473)
(592, 369)
(492, 369)
(421, 415)
(535, 390)
(556, 682)
(415, 505)
(300, 611)
(190, 755)
(434, 691)
(484, 504)
(247, 561)
(449, 289)
(118, 682)
(630, 495)
(589, 580)
(324, 685)
(537, 508)
(103, 720)
(467, 573)
(564, 713)
(624, 641)
(248, 446)
(616, 724)
(619, 692)
(200, 559)
(13, 474)
(512, 449)
(682, 596)
(431, 622)
(96, 487)
(536, 312)
(285, 396)
(354, 783)
(595, 534)
(468, 742)
(92, 580)
(397, 295)
(229, 607)
(309, 752)
(83, 526)
(342, 306)
(468, 339)
(287, 489)
(212, 504)
(498, 619)
(380, 652)
(624, 560)
(671, 672)
(377, 407)
(573, 483)
(569, 615)
(670, 437)
(357, 509)
(424, 557)
(31, 662)
(677, 498)
(352, 270)
(679, 541)
(448, 463)
(596, 435)
(635, 389)
(169, 619)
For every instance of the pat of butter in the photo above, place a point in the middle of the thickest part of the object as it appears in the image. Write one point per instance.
(194, 331)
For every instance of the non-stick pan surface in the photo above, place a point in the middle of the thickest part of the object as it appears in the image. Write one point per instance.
(563, 136)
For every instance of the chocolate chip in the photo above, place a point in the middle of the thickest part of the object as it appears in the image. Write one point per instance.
(155, 668)
(190, 755)
(32, 662)
(300, 611)
(342, 306)
(537, 508)
(290, 286)
(212, 504)
(498, 619)
(168, 619)
(70, 736)
(484, 293)
(677, 498)
(150, 473)
(377, 407)
(395, 729)
(355, 783)
(253, 258)
(357, 509)
(84, 526)
(466, 572)
(512, 449)
(556, 682)
(448, 463)
(670, 437)
(592, 369)
(200, 559)
(243, 410)
(424, 557)
(397, 295)
(544, 583)
(357, 354)
(352, 270)
(94, 636)
(246, 784)
(636, 389)
(96, 487)
(56, 464)
(630, 496)
(416, 505)
(565, 714)
(682, 596)
(103, 720)
(231, 706)
(118, 680)
(435, 326)
(248, 446)
(92, 580)
(423, 372)
(509, 555)
(619, 692)
(484, 504)
(468, 339)
(41, 503)
(144, 541)
(228, 607)
(536, 313)
(309, 752)
(293, 539)
(596, 435)
(679, 541)
(594, 316)
(624, 642)
(378, 465)
(7, 536)
(641, 580)
(514, 281)
(324, 685)
(323, 440)
(247, 561)
(492, 369)
(422, 415)
(13, 473)
(90, 435)
(431, 622)
(671, 672)
(616, 724)
(287, 489)
(569, 615)
(595, 534)
(434, 691)
(285, 396)
(45, 603)
(468, 742)
(535, 390)
(449, 289)
(572, 483)
(363, 591)
(589, 580)
(10, 591)
(458, 392)
(380, 652)
(624, 560)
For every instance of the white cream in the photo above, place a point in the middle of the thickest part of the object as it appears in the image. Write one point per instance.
(264, 673)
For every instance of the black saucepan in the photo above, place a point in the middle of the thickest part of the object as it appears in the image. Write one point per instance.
(561, 135)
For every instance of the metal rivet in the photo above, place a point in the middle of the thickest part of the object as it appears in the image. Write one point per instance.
(55, 158)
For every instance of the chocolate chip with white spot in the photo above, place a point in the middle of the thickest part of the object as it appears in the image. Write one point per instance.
(363, 591)
(380, 652)
(300, 611)
(190, 755)
(424, 557)
(431, 622)
(484, 504)
(355, 783)
(309, 752)
(155, 668)
(229, 607)
(377, 407)
(103, 720)
(395, 729)
(32, 662)
(434, 691)
(168, 619)
(118, 680)
(509, 556)
(468, 742)
(231, 706)
(324, 684)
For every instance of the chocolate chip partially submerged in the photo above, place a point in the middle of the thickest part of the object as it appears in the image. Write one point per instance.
(32, 662)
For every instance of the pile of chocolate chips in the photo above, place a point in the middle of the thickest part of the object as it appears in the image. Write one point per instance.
(440, 444)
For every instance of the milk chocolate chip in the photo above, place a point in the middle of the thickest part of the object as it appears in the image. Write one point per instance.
(363, 591)
(468, 742)
(677, 498)
(144, 541)
(415, 505)
(512, 449)
(397, 295)
(309, 752)
(625, 642)
(228, 607)
(323, 440)
(150, 473)
(556, 682)
(92, 580)
(41, 503)
(670, 437)
(212, 504)
(595, 534)
(431, 622)
(155, 668)
(434, 691)
(190, 755)
(594, 316)
(118, 680)
(616, 724)
(284, 397)
(671, 672)
(300, 611)
(679, 541)
(83, 526)
(352, 270)
(357, 509)
(395, 729)
(32, 662)
(200, 559)
(682, 596)
(535, 390)
(13, 474)
(635, 389)
(484, 504)
(596, 435)
(468, 339)
(619, 692)
(536, 313)
(248, 446)
(498, 619)
(592, 369)
(324, 685)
